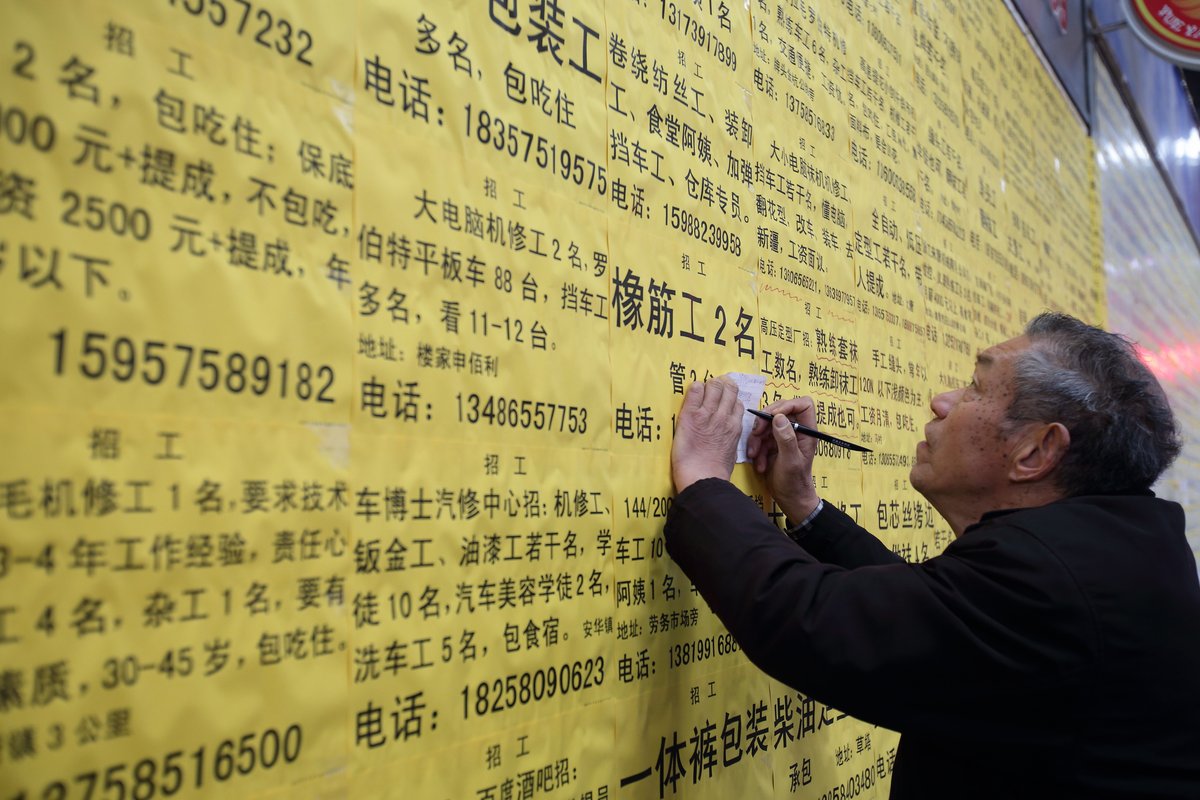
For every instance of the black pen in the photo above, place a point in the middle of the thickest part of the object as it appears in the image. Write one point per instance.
(824, 437)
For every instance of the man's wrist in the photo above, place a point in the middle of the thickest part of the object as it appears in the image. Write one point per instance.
(796, 508)
(804, 525)
(685, 479)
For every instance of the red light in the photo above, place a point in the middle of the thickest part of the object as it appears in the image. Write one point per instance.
(1182, 361)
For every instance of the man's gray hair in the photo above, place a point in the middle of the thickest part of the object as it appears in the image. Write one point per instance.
(1123, 434)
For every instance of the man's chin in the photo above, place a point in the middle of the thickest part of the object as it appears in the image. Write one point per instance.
(920, 456)
(917, 474)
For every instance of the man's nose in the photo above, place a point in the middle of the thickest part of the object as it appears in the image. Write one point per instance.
(942, 403)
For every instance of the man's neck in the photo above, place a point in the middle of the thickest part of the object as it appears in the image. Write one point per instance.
(964, 514)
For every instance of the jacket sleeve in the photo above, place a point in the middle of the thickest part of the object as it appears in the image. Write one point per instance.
(907, 646)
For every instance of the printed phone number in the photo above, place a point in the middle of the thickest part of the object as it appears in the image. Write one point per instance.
(512, 691)
(99, 356)
(509, 412)
(701, 650)
(505, 137)
(701, 230)
(691, 28)
(272, 32)
(166, 775)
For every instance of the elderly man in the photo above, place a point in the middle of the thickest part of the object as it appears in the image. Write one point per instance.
(1052, 650)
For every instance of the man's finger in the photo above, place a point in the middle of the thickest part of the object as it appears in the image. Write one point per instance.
(730, 402)
(763, 453)
(785, 435)
(694, 397)
(714, 392)
(797, 409)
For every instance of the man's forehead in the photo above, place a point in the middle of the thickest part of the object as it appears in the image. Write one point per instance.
(1002, 351)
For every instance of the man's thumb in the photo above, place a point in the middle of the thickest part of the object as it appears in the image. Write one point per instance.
(784, 433)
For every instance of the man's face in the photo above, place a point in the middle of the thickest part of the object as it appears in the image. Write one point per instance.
(964, 458)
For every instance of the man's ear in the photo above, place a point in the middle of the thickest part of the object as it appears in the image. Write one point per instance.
(1039, 452)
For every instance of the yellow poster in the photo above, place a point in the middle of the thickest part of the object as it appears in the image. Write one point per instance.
(342, 346)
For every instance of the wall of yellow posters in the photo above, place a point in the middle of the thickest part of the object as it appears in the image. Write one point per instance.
(341, 345)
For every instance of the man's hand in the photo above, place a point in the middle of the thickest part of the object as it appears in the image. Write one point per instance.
(785, 459)
(706, 432)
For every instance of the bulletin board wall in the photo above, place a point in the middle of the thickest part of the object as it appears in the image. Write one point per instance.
(342, 342)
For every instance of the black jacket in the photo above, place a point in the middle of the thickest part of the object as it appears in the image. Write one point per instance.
(1048, 652)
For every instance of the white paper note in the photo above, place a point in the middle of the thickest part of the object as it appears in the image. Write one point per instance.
(750, 390)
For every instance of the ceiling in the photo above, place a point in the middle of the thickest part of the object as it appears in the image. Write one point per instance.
(1192, 78)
